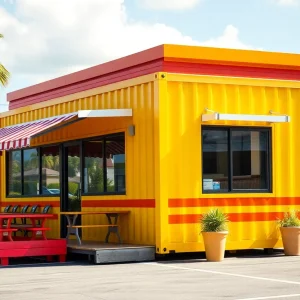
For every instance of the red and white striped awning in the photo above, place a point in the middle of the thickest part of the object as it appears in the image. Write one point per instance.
(18, 136)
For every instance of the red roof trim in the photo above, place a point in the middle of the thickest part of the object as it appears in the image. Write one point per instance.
(87, 74)
(136, 71)
(139, 64)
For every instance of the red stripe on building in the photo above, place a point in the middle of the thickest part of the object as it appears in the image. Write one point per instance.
(223, 202)
(232, 71)
(233, 217)
(138, 203)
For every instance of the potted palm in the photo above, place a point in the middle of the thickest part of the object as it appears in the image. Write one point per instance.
(214, 231)
(290, 232)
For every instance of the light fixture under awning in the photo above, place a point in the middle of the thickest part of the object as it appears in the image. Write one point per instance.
(19, 136)
(241, 117)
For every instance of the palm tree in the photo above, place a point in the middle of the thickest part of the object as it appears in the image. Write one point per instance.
(4, 74)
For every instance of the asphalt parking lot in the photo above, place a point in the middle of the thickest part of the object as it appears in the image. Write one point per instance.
(245, 278)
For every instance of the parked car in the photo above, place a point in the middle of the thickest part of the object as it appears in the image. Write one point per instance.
(54, 191)
(57, 192)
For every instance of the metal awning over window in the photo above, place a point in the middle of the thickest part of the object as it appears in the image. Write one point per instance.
(215, 116)
(19, 136)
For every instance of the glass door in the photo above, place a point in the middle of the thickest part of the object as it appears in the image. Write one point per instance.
(71, 181)
(73, 178)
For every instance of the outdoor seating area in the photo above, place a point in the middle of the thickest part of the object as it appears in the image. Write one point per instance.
(24, 234)
(112, 225)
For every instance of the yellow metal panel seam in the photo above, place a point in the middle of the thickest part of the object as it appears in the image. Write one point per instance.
(161, 162)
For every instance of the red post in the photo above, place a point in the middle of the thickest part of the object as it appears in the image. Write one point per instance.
(62, 258)
(4, 261)
(49, 258)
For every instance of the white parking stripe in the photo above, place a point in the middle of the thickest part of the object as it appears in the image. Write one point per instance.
(272, 297)
(223, 273)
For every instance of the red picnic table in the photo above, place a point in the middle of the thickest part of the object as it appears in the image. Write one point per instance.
(37, 245)
(7, 227)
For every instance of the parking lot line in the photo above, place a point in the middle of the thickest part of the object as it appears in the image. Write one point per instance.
(272, 297)
(224, 273)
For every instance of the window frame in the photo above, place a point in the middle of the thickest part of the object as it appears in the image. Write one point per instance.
(60, 145)
(229, 130)
(103, 138)
(22, 172)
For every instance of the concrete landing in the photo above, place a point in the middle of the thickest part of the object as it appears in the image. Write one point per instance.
(104, 253)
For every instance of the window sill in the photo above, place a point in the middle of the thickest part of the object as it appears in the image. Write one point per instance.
(249, 193)
(33, 196)
(104, 194)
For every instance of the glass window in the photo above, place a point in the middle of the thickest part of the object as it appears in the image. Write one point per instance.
(14, 173)
(36, 171)
(50, 171)
(31, 172)
(249, 160)
(104, 173)
(115, 163)
(215, 160)
(93, 167)
(73, 177)
(236, 159)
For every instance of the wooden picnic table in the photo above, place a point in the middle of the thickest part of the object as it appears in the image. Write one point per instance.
(112, 226)
(7, 227)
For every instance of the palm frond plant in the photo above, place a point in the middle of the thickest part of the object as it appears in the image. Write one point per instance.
(290, 219)
(214, 221)
(214, 229)
(4, 74)
(290, 232)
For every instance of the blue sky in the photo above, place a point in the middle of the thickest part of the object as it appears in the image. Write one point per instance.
(261, 23)
(49, 38)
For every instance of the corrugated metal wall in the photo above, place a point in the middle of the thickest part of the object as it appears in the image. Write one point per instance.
(183, 101)
(138, 227)
(166, 153)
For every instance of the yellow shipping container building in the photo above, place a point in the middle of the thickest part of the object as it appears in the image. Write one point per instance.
(167, 134)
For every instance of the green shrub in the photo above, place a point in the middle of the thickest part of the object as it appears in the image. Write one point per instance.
(15, 187)
(290, 219)
(55, 185)
(214, 221)
(30, 187)
(73, 188)
(14, 194)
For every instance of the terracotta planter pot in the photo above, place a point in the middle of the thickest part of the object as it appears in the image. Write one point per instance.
(291, 240)
(214, 243)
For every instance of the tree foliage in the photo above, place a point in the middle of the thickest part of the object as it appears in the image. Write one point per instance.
(4, 74)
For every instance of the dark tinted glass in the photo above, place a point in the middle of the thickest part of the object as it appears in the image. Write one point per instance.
(249, 160)
(31, 172)
(215, 160)
(14, 173)
(50, 171)
(93, 167)
(115, 163)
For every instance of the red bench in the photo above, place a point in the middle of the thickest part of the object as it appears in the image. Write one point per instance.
(36, 230)
(9, 231)
(47, 248)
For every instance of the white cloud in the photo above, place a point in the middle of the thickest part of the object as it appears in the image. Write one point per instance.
(229, 39)
(50, 38)
(288, 2)
(169, 4)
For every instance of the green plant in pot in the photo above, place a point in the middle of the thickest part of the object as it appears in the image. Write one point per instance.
(214, 229)
(290, 232)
